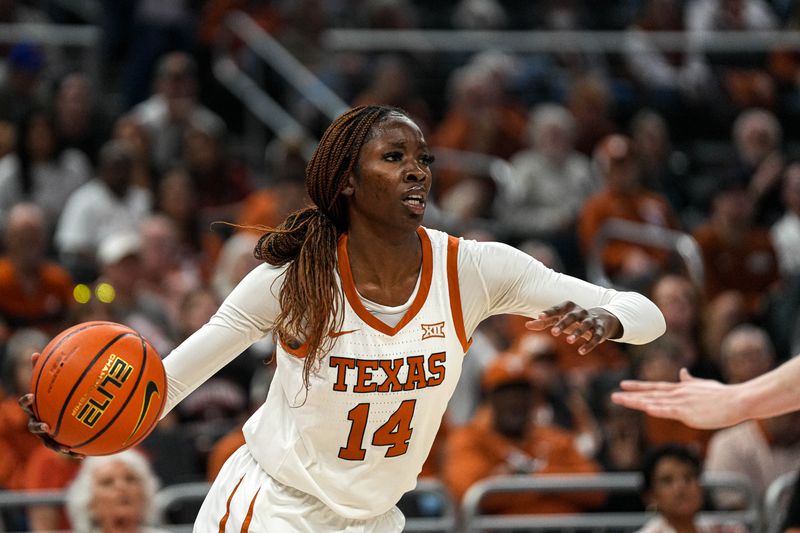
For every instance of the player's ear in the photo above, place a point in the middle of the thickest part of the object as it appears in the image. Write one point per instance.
(349, 184)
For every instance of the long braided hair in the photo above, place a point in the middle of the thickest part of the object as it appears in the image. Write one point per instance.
(310, 300)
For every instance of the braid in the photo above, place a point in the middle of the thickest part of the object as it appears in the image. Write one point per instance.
(311, 302)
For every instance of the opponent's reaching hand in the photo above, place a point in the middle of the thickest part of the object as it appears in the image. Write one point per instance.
(592, 325)
(39, 428)
(699, 403)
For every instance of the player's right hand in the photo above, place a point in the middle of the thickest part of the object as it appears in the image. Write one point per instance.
(39, 428)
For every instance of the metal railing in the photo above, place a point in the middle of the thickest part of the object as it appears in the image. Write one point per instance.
(473, 520)
(523, 41)
(650, 235)
(776, 501)
(268, 49)
(610, 482)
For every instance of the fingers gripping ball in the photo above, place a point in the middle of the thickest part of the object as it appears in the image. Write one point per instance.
(100, 387)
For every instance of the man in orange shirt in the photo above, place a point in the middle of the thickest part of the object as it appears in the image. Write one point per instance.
(34, 292)
(737, 255)
(502, 439)
(624, 197)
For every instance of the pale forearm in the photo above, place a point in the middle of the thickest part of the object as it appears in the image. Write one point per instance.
(774, 393)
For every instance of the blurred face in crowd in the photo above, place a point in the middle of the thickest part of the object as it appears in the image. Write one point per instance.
(197, 310)
(745, 356)
(176, 78)
(41, 138)
(26, 239)
(127, 129)
(74, 100)
(675, 489)
(675, 296)
(118, 497)
(511, 408)
(658, 365)
(117, 171)
(177, 196)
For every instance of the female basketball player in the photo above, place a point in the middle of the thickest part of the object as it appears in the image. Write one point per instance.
(373, 314)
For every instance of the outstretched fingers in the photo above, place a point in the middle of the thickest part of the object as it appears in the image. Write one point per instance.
(550, 317)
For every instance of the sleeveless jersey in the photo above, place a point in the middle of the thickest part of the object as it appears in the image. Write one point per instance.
(358, 437)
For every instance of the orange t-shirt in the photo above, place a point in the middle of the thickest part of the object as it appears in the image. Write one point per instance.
(643, 206)
(44, 307)
(16, 444)
(476, 452)
(749, 266)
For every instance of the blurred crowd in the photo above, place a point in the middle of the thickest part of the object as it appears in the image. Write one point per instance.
(128, 192)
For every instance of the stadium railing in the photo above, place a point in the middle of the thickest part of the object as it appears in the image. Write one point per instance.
(475, 521)
(447, 518)
(649, 235)
(776, 501)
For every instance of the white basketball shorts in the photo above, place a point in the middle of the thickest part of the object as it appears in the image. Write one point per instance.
(245, 498)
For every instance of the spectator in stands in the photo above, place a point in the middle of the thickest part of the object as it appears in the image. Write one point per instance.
(662, 360)
(49, 470)
(672, 487)
(760, 450)
(720, 316)
(42, 171)
(113, 494)
(20, 87)
(664, 169)
(736, 255)
(746, 353)
(16, 444)
(220, 179)
(128, 129)
(80, 120)
(590, 101)
(392, 83)
(557, 400)
(34, 291)
(482, 116)
(551, 178)
(679, 301)
(503, 439)
(168, 271)
(170, 110)
(109, 203)
(760, 161)
(120, 286)
(785, 232)
(624, 197)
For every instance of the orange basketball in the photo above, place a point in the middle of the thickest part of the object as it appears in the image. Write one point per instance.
(100, 387)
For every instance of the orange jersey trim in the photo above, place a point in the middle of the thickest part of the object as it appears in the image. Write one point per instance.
(300, 352)
(249, 516)
(350, 292)
(455, 292)
(224, 520)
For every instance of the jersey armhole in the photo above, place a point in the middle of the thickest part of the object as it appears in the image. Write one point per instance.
(455, 292)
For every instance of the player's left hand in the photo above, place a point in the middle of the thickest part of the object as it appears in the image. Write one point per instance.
(592, 325)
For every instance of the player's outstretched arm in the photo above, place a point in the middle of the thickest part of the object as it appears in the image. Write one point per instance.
(704, 403)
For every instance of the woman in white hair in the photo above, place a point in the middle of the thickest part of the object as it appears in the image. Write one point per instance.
(113, 494)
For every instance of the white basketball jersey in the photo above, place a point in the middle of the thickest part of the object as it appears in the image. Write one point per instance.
(358, 437)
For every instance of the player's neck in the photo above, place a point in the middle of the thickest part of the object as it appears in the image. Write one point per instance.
(385, 270)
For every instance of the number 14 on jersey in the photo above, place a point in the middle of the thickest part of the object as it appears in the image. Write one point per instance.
(395, 433)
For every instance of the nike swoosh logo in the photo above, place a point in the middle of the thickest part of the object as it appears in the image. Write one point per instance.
(334, 334)
(150, 389)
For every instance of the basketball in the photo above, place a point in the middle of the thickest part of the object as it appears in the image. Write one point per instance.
(100, 386)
